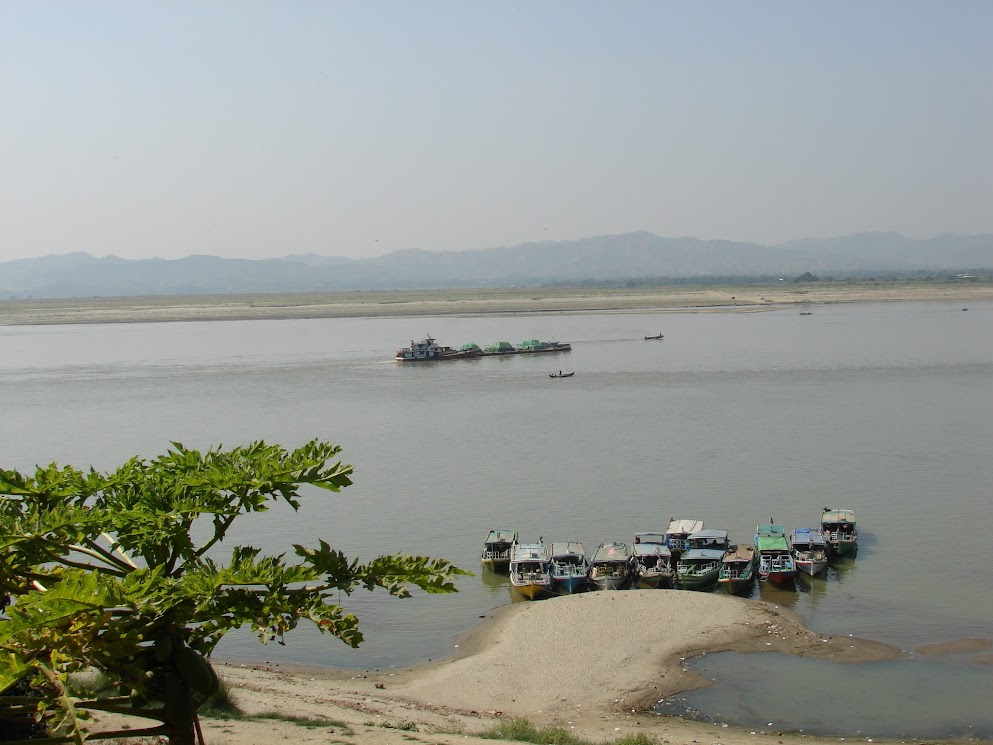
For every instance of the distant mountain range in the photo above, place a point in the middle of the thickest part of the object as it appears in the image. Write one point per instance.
(599, 259)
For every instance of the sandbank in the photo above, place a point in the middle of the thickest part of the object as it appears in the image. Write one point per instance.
(483, 301)
(593, 663)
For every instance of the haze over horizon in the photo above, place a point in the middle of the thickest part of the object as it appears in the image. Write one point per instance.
(256, 130)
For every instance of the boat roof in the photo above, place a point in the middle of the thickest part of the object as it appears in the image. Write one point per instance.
(703, 553)
(837, 516)
(501, 536)
(530, 552)
(770, 529)
(570, 547)
(684, 526)
(741, 552)
(651, 549)
(649, 537)
(808, 535)
(771, 543)
(711, 534)
(616, 551)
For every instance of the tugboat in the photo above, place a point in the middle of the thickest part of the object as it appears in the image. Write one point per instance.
(428, 350)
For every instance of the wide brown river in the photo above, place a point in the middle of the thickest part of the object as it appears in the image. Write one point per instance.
(733, 418)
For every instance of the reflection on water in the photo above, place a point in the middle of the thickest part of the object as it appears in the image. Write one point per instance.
(910, 697)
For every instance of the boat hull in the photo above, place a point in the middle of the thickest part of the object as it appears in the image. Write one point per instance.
(531, 591)
(842, 548)
(813, 568)
(698, 581)
(500, 566)
(736, 585)
(653, 582)
(610, 576)
(570, 585)
(611, 583)
(779, 578)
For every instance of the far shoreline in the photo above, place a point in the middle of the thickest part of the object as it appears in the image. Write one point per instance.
(482, 302)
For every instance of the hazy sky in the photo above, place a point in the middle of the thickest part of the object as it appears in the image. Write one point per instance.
(259, 129)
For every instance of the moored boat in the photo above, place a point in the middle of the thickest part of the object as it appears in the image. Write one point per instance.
(530, 569)
(737, 572)
(838, 527)
(570, 567)
(653, 561)
(678, 533)
(809, 549)
(699, 565)
(496, 550)
(611, 567)
(428, 350)
(774, 558)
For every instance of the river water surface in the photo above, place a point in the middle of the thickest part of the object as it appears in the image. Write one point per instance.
(733, 418)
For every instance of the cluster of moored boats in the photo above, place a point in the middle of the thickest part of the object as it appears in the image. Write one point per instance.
(428, 350)
(686, 556)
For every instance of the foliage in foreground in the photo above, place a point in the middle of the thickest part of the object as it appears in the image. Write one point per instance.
(106, 576)
(522, 730)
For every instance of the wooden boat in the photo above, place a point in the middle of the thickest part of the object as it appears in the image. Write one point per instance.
(838, 527)
(653, 561)
(612, 567)
(774, 558)
(809, 549)
(678, 532)
(737, 571)
(659, 337)
(561, 374)
(496, 550)
(570, 568)
(699, 566)
(531, 569)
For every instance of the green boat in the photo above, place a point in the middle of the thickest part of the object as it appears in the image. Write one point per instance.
(838, 527)
(699, 566)
(737, 572)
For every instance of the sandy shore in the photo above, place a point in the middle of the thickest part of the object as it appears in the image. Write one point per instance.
(735, 299)
(593, 663)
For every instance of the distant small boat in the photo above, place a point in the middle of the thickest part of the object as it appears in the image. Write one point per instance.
(806, 312)
(659, 337)
(561, 374)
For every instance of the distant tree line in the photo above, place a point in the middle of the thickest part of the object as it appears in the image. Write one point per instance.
(923, 276)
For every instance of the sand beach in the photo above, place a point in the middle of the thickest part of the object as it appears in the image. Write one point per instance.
(593, 663)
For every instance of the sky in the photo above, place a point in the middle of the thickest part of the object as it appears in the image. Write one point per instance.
(249, 129)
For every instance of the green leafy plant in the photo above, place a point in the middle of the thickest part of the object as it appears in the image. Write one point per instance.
(105, 576)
